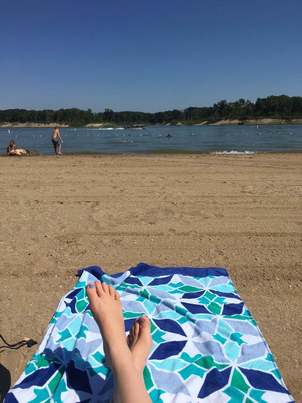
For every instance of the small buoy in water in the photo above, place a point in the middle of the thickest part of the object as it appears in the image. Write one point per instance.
(169, 135)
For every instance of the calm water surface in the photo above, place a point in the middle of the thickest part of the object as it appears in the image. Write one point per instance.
(160, 139)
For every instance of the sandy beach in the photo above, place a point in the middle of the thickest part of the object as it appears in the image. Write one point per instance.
(59, 214)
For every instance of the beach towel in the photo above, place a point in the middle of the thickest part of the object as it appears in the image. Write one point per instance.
(206, 344)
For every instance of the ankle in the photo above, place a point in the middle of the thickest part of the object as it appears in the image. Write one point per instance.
(119, 353)
(125, 367)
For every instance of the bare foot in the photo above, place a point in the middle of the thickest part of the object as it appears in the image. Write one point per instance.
(107, 310)
(140, 342)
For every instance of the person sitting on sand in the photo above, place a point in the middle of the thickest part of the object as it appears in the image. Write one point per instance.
(13, 150)
(57, 140)
(125, 356)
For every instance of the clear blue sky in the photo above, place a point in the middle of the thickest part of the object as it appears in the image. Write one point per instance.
(147, 55)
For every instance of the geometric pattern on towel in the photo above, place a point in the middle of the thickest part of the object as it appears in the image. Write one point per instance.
(206, 345)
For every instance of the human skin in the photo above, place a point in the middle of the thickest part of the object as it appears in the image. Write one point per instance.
(126, 356)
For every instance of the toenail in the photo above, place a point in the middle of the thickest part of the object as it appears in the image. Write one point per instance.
(90, 285)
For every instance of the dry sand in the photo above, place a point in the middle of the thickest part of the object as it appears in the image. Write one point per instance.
(242, 212)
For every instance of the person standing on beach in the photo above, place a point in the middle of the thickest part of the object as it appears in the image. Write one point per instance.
(56, 140)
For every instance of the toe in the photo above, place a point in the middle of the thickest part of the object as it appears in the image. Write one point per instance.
(105, 288)
(133, 331)
(144, 322)
(116, 295)
(111, 290)
(98, 286)
(136, 329)
(91, 292)
(92, 296)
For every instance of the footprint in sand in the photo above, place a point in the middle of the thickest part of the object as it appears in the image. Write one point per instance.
(298, 190)
(247, 189)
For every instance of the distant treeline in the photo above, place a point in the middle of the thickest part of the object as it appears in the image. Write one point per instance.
(283, 107)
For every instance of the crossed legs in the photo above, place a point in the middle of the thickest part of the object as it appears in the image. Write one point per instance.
(126, 356)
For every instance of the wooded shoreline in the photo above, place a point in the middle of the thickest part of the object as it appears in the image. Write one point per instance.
(274, 109)
(222, 122)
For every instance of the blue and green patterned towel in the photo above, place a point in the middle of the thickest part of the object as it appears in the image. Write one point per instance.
(206, 345)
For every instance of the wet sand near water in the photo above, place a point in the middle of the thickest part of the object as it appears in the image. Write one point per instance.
(59, 214)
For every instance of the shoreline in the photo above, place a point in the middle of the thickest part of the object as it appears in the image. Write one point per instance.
(166, 153)
(222, 122)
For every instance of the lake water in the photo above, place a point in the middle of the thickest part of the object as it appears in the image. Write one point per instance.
(227, 139)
